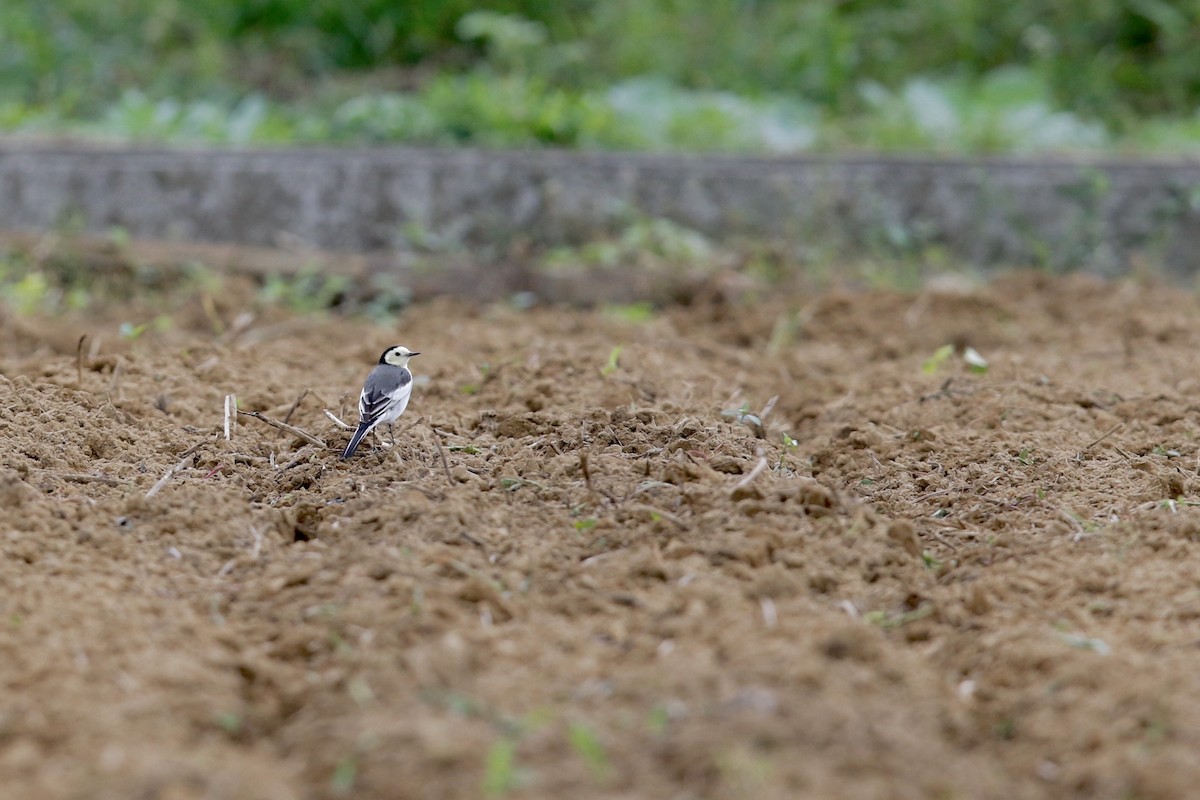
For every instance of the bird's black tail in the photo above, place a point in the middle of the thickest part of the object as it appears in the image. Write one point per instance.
(363, 427)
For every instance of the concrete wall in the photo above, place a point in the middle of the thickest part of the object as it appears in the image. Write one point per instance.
(1097, 214)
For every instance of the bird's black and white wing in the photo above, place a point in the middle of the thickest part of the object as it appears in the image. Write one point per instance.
(386, 390)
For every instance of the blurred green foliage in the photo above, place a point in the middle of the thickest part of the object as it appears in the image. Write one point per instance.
(1107, 58)
(725, 74)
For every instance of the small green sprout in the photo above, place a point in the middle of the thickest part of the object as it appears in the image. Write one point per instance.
(939, 357)
(230, 722)
(658, 719)
(500, 769)
(632, 312)
(130, 331)
(344, 775)
(585, 743)
(975, 362)
(743, 416)
(613, 364)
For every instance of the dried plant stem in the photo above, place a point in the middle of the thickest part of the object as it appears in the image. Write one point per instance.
(768, 408)
(437, 439)
(79, 360)
(1101, 438)
(230, 419)
(114, 384)
(288, 416)
(336, 421)
(754, 473)
(655, 511)
(157, 487)
(586, 470)
(292, 429)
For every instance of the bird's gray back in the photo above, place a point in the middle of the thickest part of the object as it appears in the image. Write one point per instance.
(384, 385)
(386, 379)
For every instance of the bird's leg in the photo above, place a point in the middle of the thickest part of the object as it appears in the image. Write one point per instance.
(392, 433)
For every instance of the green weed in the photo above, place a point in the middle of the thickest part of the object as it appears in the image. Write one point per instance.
(311, 289)
(230, 721)
(939, 357)
(345, 774)
(500, 772)
(613, 363)
(632, 312)
(889, 621)
(589, 748)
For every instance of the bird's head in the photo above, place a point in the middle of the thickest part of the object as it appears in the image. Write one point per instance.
(397, 356)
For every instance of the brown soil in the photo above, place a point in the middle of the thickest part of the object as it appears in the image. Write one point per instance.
(569, 581)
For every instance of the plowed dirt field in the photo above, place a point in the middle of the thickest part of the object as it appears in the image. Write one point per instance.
(769, 546)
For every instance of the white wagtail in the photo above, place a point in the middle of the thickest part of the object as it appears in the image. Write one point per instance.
(384, 394)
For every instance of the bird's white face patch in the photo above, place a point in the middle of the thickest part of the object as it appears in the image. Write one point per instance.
(398, 356)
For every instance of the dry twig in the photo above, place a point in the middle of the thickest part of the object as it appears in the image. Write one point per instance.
(300, 458)
(288, 416)
(767, 409)
(184, 457)
(156, 488)
(1102, 437)
(336, 421)
(442, 452)
(759, 468)
(654, 511)
(584, 468)
(114, 385)
(292, 429)
(79, 360)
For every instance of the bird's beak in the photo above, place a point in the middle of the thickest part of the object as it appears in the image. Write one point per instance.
(410, 355)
